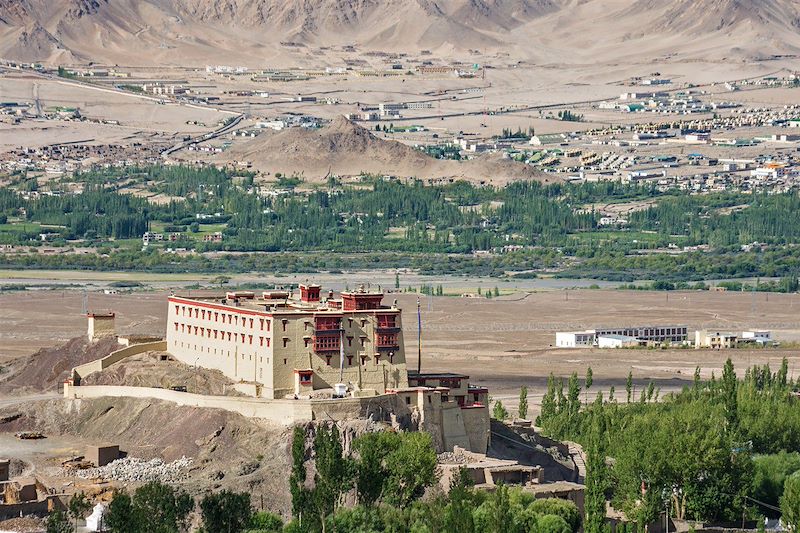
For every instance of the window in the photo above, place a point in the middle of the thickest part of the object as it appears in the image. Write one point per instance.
(262, 323)
(177, 309)
(349, 340)
(267, 339)
(349, 359)
(251, 339)
(324, 343)
(251, 322)
(305, 378)
(328, 360)
(408, 400)
(261, 341)
(176, 326)
(285, 342)
(183, 328)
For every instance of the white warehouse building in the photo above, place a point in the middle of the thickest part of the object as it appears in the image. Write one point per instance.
(574, 339)
(621, 337)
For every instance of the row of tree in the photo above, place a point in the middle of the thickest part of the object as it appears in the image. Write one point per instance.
(705, 453)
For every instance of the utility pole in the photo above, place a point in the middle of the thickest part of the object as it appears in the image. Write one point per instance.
(419, 338)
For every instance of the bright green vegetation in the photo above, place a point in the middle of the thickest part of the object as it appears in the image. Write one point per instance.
(380, 487)
(720, 450)
(384, 223)
(389, 474)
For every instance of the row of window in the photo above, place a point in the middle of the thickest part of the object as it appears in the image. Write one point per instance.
(222, 335)
(226, 318)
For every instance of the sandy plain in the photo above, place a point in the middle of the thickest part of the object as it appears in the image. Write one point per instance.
(502, 343)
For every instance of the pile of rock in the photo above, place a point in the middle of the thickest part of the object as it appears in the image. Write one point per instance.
(452, 458)
(135, 469)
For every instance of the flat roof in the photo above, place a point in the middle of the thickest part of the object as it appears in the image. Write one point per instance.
(618, 337)
(266, 305)
(435, 375)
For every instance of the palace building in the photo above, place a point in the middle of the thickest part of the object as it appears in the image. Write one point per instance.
(280, 344)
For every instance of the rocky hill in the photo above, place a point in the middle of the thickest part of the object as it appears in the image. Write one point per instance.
(347, 149)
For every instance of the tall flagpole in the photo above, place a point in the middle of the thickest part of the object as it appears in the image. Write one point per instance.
(341, 355)
(419, 338)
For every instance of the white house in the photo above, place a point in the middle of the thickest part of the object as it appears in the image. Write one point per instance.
(574, 339)
(757, 337)
(617, 341)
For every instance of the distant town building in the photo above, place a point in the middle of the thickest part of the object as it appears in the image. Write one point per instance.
(714, 339)
(622, 337)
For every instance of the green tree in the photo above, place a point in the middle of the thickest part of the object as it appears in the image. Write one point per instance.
(548, 410)
(78, 507)
(558, 507)
(729, 387)
(297, 478)
(458, 511)
(552, 524)
(588, 382)
(596, 472)
(334, 472)
(629, 385)
(769, 477)
(264, 521)
(790, 502)
(121, 517)
(57, 523)
(499, 412)
(160, 508)
(495, 514)
(412, 469)
(371, 471)
(523, 401)
(226, 511)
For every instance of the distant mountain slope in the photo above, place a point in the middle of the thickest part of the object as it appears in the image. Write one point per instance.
(719, 15)
(344, 148)
(260, 32)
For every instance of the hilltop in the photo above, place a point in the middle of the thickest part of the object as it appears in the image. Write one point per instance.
(345, 148)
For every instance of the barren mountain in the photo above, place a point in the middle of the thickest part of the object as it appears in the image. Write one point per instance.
(344, 148)
(260, 32)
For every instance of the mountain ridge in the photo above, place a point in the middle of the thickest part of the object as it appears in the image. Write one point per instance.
(191, 31)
